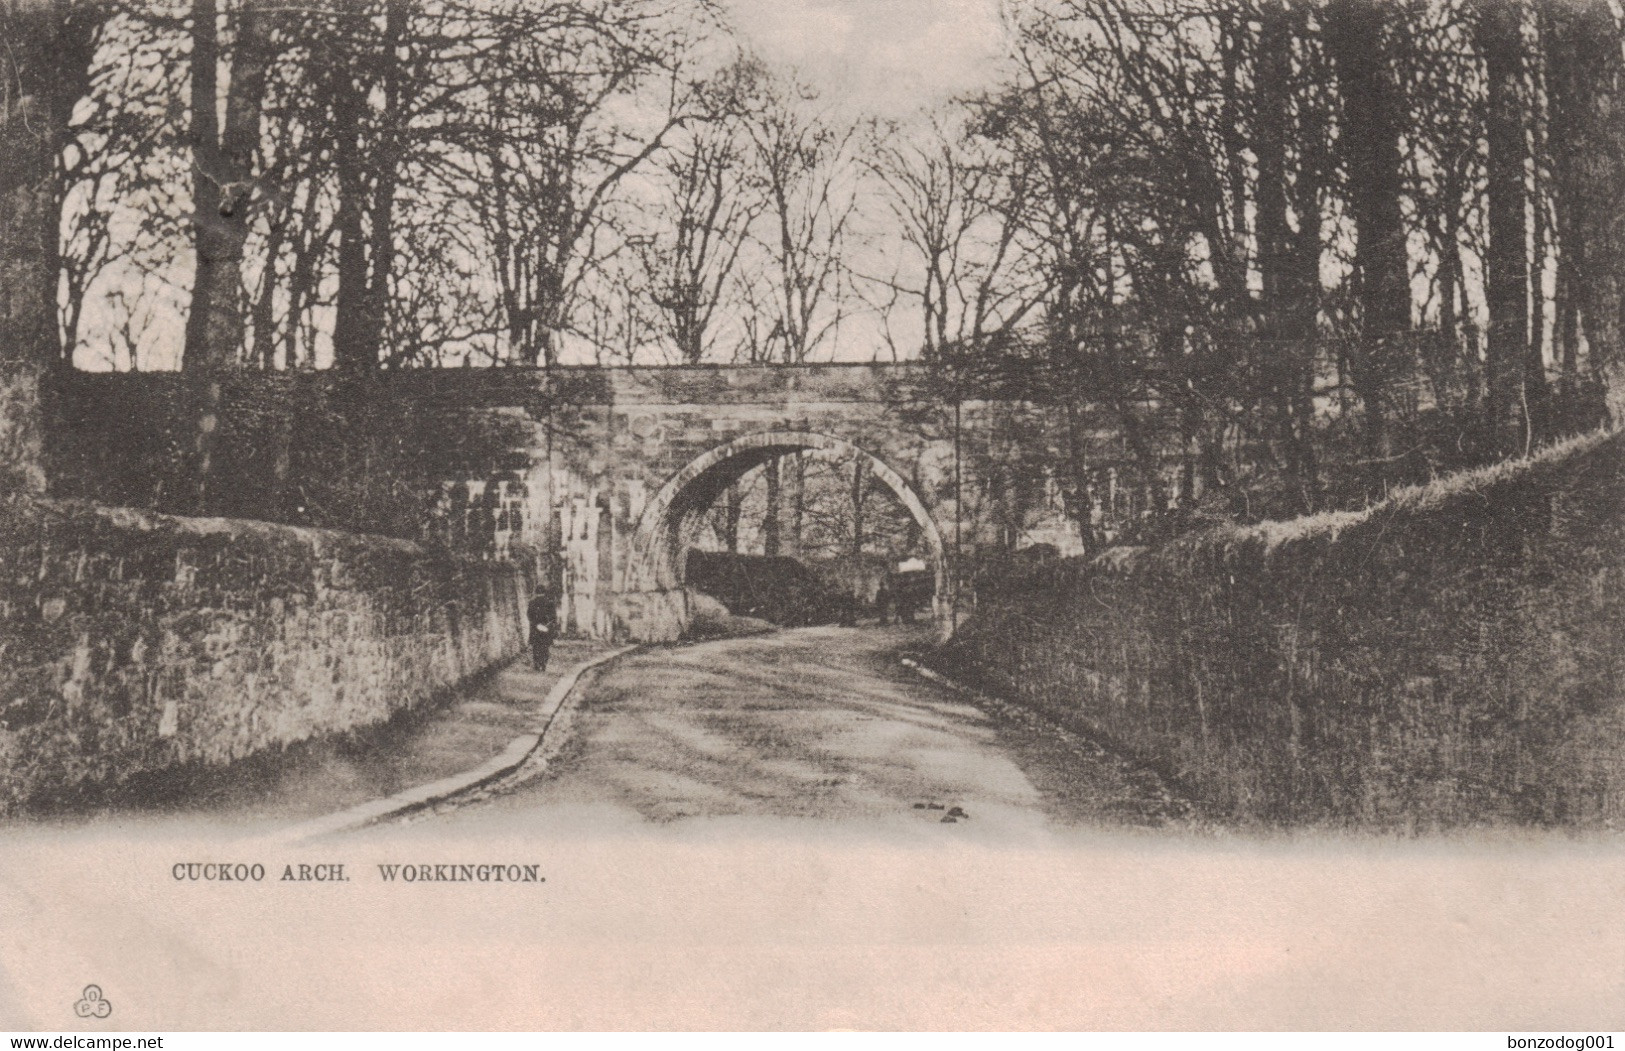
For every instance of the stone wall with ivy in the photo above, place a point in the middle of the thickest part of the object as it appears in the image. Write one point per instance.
(134, 643)
(1450, 656)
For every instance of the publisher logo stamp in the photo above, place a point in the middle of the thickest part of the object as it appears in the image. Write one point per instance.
(92, 1004)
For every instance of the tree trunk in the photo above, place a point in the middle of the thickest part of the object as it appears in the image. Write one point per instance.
(1369, 141)
(1498, 34)
(798, 501)
(223, 167)
(349, 319)
(1451, 281)
(27, 171)
(223, 173)
(1277, 259)
(1307, 248)
(69, 58)
(386, 177)
(44, 67)
(733, 507)
(302, 283)
(1566, 97)
(367, 157)
(262, 312)
(376, 317)
(770, 516)
(1586, 82)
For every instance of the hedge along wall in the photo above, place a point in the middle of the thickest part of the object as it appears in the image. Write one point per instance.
(133, 642)
(361, 453)
(1453, 655)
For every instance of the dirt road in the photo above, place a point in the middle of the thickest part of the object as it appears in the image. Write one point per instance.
(818, 723)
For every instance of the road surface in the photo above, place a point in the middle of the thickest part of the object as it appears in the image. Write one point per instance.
(820, 723)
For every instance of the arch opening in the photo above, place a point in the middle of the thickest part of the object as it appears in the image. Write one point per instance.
(667, 526)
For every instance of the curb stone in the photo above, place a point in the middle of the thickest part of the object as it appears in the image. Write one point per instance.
(509, 759)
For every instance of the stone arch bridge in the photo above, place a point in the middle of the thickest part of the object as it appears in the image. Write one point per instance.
(623, 463)
(602, 475)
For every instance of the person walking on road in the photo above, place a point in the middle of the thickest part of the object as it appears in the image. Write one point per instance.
(541, 613)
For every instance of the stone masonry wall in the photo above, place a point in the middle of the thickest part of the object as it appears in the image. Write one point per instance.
(1449, 657)
(133, 642)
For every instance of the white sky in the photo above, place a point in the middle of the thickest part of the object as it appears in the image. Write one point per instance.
(882, 58)
(887, 57)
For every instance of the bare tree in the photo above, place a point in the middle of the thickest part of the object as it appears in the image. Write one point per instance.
(554, 147)
(1289, 145)
(223, 172)
(958, 209)
(1499, 37)
(1358, 36)
(1586, 84)
(709, 197)
(804, 153)
(125, 189)
(369, 151)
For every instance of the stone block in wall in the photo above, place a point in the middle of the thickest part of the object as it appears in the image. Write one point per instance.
(651, 616)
